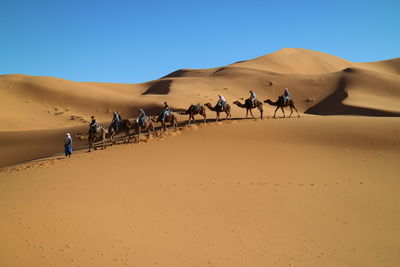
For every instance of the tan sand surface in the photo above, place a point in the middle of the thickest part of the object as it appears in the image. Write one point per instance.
(33, 103)
(314, 191)
(34, 110)
(310, 191)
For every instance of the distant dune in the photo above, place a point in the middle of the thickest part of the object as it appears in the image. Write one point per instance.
(321, 84)
(330, 84)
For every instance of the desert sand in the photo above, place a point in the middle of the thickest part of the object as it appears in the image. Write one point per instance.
(311, 191)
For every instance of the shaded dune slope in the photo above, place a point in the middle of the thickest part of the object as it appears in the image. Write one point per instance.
(363, 91)
(314, 79)
(321, 84)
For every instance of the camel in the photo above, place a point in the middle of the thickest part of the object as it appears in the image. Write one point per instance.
(226, 108)
(147, 126)
(170, 118)
(124, 126)
(91, 136)
(194, 110)
(248, 105)
(280, 104)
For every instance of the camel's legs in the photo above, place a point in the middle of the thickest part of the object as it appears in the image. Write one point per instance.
(138, 136)
(112, 138)
(284, 116)
(261, 111)
(291, 111)
(275, 112)
(251, 113)
(205, 118)
(127, 137)
(296, 111)
(247, 113)
(90, 144)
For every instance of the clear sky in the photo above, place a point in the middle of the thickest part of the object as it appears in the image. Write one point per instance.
(136, 41)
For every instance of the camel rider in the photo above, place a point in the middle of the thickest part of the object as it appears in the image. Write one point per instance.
(253, 98)
(142, 116)
(286, 96)
(116, 120)
(166, 111)
(93, 124)
(221, 102)
(119, 117)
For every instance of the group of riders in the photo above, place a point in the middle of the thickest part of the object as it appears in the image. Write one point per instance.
(116, 121)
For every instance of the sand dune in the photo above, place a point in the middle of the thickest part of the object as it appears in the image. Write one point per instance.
(321, 84)
(309, 191)
(31, 103)
(305, 192)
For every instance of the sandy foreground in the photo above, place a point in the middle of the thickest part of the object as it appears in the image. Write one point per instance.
(314, 191)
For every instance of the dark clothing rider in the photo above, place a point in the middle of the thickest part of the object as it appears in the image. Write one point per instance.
(253, 98)
(166, 111)
(286, 96)
(93, 124)
(116, 121)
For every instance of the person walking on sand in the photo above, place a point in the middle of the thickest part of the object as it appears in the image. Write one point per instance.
(68, 145)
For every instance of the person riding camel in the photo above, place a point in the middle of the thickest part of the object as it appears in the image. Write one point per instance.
(286, 96)
(116, 120)
(253, 98)
(142, 116)
(93, 124)
(221, 102)
(166, 111)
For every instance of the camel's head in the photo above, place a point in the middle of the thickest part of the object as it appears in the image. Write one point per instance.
(153, 118)
(236, 102)
(78, 136)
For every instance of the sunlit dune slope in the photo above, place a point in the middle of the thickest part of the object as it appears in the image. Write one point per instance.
(314, 79)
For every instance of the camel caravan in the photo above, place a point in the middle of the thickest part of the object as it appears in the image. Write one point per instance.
(133, 127)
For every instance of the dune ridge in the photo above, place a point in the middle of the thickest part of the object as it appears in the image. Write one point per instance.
(28, 103)
(321, 84)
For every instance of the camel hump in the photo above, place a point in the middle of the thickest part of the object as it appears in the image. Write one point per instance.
(196, 108)
(250, 103)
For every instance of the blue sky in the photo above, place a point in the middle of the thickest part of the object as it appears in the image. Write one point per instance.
(137, 41)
